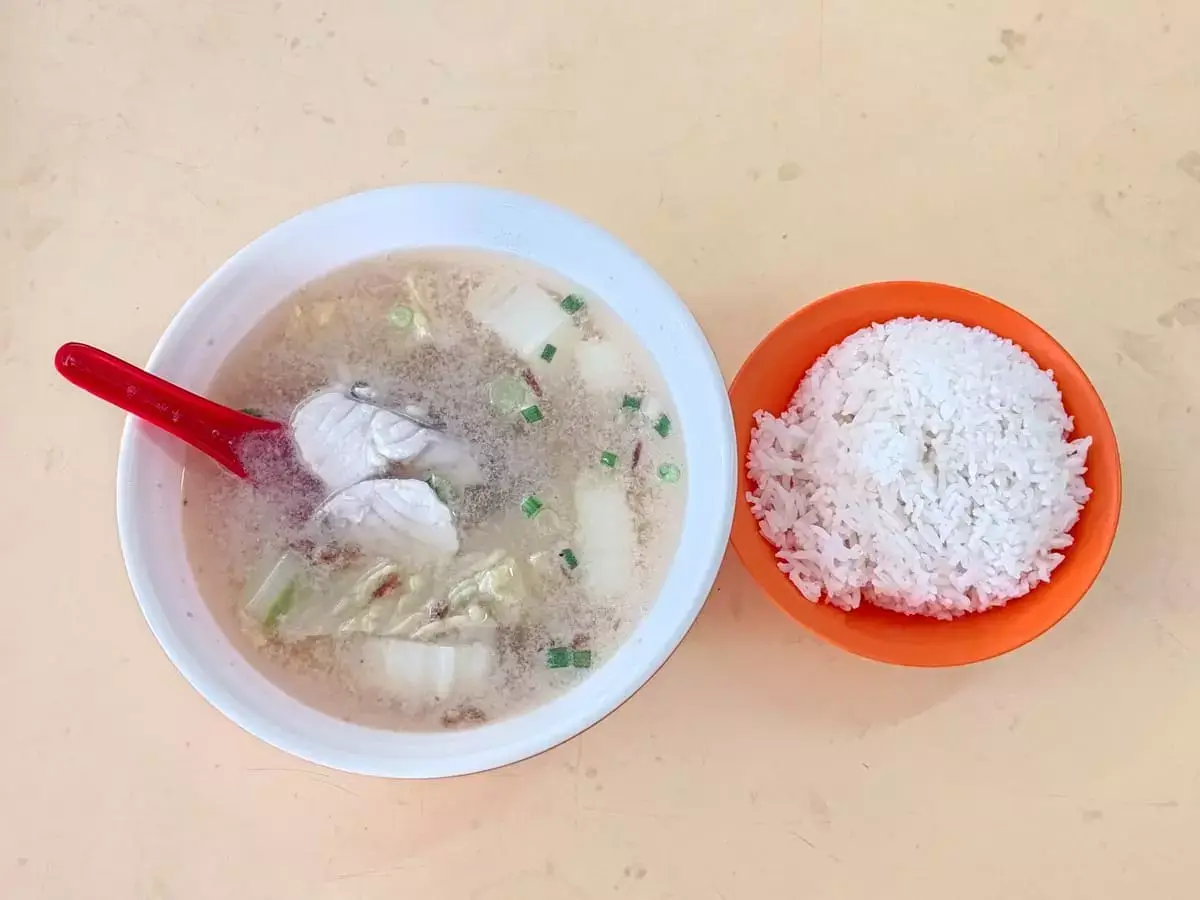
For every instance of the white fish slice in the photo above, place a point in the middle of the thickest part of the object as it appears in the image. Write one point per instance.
(345, 440)
(399, 518)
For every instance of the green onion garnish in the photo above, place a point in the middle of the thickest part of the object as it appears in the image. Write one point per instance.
(608, 459)
(631, 402)
(548, 352)
(507, 395)
(401, 316)
(569, 559)
(559, 657)
(572, 303)
(532, 414)
(581, 659)
(252, 411)
(531, 506)
(663, 425)
(668, 472)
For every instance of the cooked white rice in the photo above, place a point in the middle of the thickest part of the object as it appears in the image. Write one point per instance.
(922, 466)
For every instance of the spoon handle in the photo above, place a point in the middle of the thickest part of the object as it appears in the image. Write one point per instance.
(211, 428)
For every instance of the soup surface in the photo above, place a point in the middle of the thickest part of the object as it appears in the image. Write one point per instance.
(477, 498)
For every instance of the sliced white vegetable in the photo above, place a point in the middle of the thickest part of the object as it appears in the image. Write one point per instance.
(652, 408)
(523, 315)
(605, 537)
(278, 590)
(344, 441)
(421, 671)
(399, 518)
(603, 367)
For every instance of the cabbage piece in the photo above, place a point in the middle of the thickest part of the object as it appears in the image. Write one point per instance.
(603, 367)
(421, 671)
(606, 537)
(525, 317)
(395, 613)
(494, 585)
(279, 591)
(322, 601)
(485, 591)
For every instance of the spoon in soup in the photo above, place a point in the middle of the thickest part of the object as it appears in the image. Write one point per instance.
(234, 438)
(215, 430)
(403, 511)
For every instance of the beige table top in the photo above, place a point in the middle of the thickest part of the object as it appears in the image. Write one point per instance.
(759, 154)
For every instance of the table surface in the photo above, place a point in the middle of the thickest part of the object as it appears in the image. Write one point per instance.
(759, 155)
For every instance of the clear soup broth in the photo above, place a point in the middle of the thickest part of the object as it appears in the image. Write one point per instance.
(487, 570)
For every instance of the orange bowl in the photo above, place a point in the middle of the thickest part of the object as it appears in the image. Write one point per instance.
(771, 375)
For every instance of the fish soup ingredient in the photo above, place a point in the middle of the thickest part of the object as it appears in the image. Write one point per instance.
(398, 517)
(508, 396)
(344, 440)
(606, 536)
(603, 366)
(425, 672)
(521, 314)
(277, 592)
(558, 658)
(669, 472)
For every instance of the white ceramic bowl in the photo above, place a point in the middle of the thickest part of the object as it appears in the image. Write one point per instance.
(243, 290)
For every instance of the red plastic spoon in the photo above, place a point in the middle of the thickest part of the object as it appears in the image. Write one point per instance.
(211, 428)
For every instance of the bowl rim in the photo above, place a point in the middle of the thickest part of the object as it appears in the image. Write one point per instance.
(523, 226)
(745, 534)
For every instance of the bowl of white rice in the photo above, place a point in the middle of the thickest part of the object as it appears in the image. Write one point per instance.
(927, 477)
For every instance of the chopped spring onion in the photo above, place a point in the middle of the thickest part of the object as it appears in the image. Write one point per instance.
(663, 425)
(569, 559)
(608, 459)
(401, 316)
(507, 395)
(531, 506)
(252, 411)
(572, 303)
(631, 402)
(559, 657)
(581, 659)
(532, 414)
(668, 472)
(548, 352)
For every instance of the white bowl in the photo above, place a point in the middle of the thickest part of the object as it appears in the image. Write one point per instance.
(259, 277)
